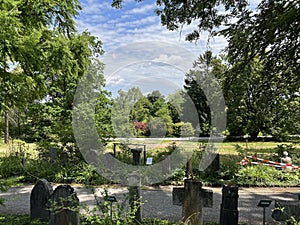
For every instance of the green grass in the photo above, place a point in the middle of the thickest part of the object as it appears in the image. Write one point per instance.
(16, 147)
(260, 147)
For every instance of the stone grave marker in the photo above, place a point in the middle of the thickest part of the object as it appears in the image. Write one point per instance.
(64, 206)
(64, 158)
(229, 207)
(136, 155)
(39, 200)
(53, 155)
(192, 197)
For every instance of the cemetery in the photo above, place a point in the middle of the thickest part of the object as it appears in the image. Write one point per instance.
(164, 112)
(189, 198)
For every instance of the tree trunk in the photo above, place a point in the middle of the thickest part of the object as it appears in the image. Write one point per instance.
(6, 134)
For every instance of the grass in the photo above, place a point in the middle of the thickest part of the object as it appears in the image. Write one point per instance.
(16, 147)
(225, 148)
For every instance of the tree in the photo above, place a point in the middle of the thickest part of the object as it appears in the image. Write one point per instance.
(195, 81)
(252, 101)
(175, 105)
(42, 58)
(270, 34)
(122, 112)
(141, 110)
(255, 103)
(160, 117)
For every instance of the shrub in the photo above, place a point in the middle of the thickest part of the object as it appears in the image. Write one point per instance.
(10, 166)
(183, 129)
(260, 175)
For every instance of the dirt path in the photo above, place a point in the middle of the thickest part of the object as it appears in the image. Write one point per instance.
(158, 202)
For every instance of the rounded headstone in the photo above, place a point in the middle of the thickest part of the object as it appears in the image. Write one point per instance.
(39, 200)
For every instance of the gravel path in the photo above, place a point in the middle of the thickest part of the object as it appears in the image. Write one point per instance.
(158, 202)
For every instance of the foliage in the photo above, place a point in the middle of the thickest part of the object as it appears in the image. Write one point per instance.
(270, 33)
(135, 114)
(121, 109)
(195, 82)
(120, 214)
(42, 59)
(292, 151)
(140, 128)
(183, 129)
(20, 220)
(259, 175)
(85, 220)
(79, 172)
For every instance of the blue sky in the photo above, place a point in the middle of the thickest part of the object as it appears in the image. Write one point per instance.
(136, 22)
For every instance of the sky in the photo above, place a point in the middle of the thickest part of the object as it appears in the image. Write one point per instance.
(139, 51)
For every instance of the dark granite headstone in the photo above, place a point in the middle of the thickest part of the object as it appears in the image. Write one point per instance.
(39, 200)
(136, 155)
(64, 209)
(229, 206)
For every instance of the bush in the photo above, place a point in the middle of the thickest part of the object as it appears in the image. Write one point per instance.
(260, 175)
(10, 166)
(183, 129)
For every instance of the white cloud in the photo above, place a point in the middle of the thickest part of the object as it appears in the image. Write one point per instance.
(139, 50)
(143, 9)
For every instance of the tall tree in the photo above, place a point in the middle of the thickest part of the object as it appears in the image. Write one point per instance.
(195, 81)
(42, 58)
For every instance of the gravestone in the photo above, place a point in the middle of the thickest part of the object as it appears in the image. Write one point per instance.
(229, 207)
(39, 200)
(64, 208)
(136, 155)
(192, 197)
(53, 155)
(64, 158)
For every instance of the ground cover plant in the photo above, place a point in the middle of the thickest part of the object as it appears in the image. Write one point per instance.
(25, 220)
